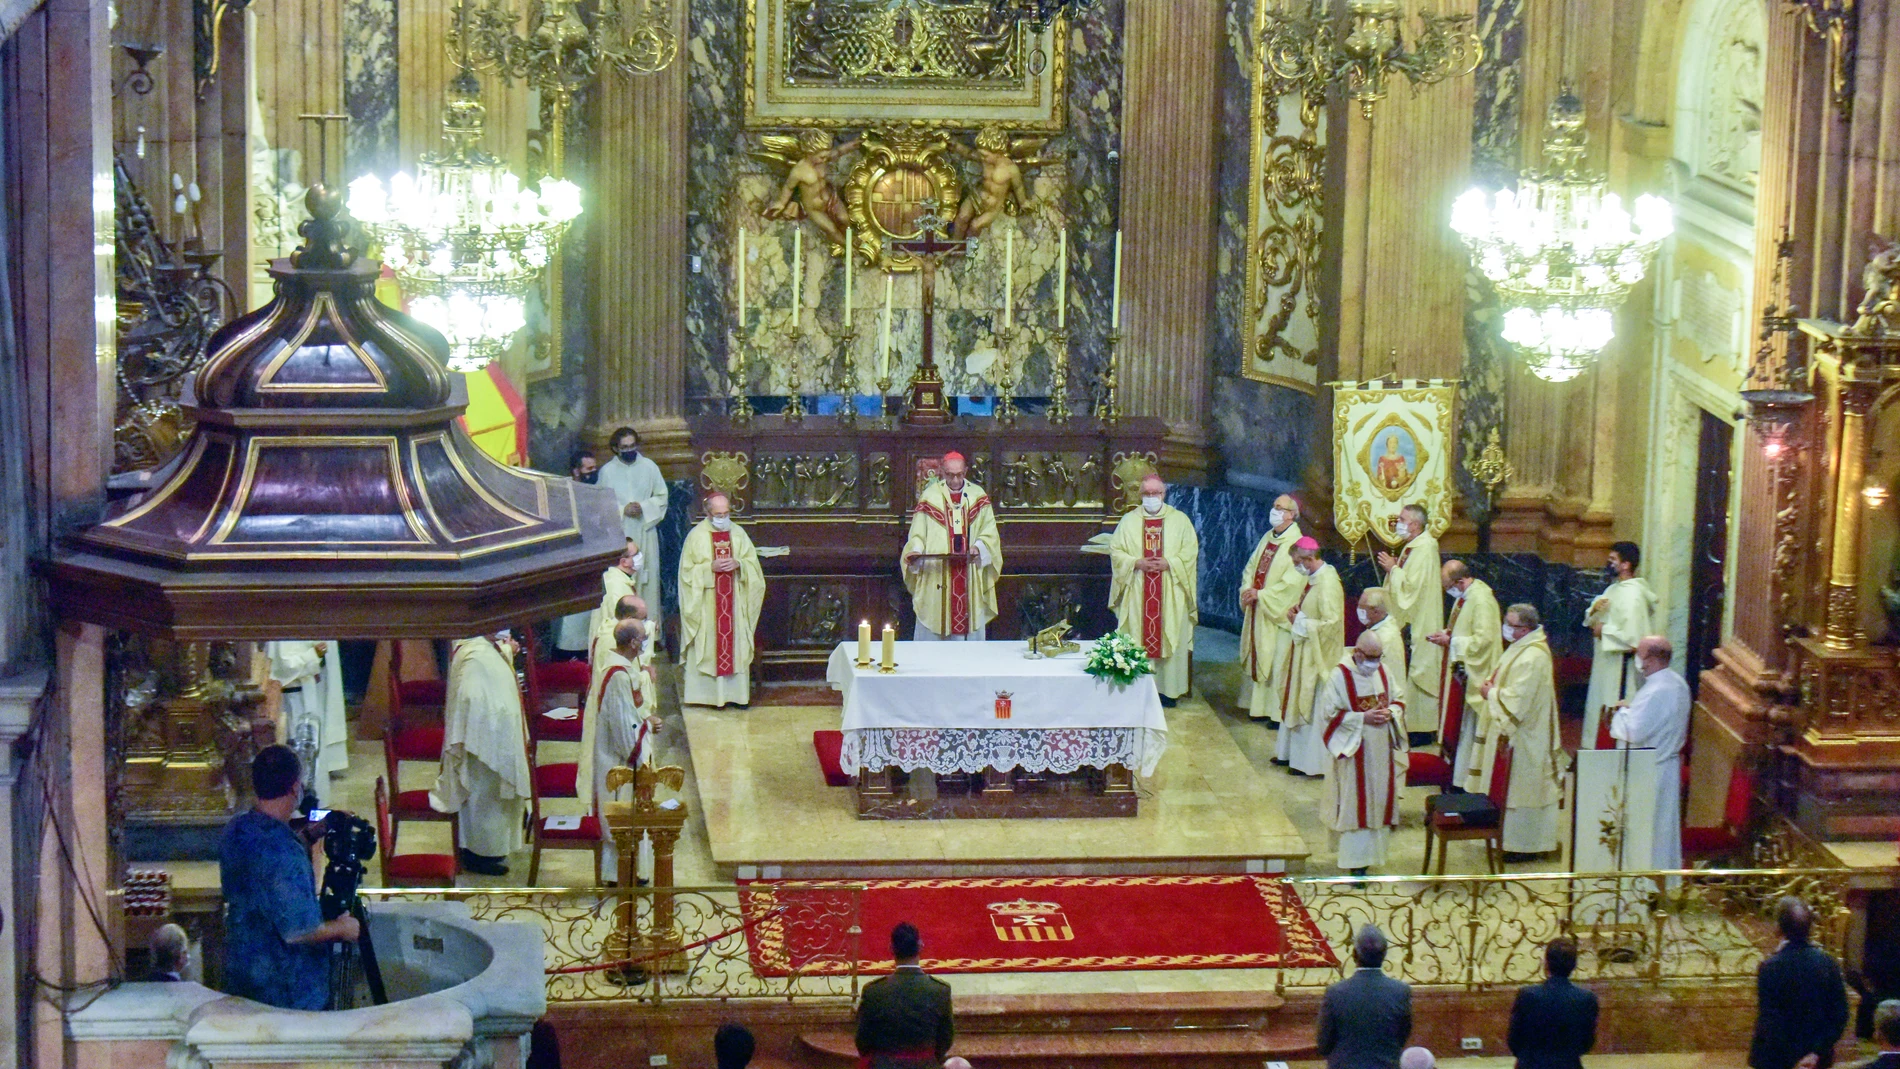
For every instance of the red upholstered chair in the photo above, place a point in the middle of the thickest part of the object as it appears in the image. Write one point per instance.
(1455, 817)
(1738, 812)
(554, 685)
(585, 836)
(1434, 769)
(422, 696)
(407, 870)
(411, 736)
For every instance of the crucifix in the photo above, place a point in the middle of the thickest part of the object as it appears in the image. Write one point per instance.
(929, 247)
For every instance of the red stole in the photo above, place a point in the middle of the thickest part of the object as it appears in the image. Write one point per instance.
(1151, 622)
(1364, 704)
(722, 605)
(958, 601)
(1445, 680)
(1247, 660)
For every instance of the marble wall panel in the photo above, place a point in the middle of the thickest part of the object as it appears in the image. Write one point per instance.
(370, 87)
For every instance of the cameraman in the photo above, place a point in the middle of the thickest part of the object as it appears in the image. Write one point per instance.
(274, 934)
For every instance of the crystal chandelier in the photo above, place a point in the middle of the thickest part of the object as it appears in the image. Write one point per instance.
(465, 238)
(1307, 45)
(1560, 250)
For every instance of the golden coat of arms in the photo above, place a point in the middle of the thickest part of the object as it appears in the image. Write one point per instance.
(1023, 921)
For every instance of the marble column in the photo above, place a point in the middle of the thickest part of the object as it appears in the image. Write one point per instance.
(637, 248)
(19, 695)
(1169, 177)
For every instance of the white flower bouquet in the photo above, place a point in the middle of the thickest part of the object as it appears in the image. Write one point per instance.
(1118, 659)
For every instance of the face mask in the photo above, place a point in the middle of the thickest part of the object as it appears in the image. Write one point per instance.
(1457, 594)
(628, 456)
(1512, 634)
(722, 523)
(1609, 572)
(1362, 618)
(1364, 668)
(588, 477)
(1151, 505)
(635, 564)
(1277, 517)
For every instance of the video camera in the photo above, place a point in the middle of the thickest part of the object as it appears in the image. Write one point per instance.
(348, 841)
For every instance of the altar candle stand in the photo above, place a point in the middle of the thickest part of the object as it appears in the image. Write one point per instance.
(1006, 377)
(864, 643)
(1059, 377)
(888, 663)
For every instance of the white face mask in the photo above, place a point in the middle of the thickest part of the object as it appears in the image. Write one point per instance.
(637, 559)
(1512, 634)
(722, 523)
(1457, 593)
(1151, 505)
(1362, 618)
(1277, 517)
(1364, 668)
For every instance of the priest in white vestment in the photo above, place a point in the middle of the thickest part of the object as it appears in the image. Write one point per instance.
(1318, 622)
(641, 491)
(721, 590)
(315, 720)
(621, 728)
(1657, 717)
(617, 583)
(1520, 711)
(1473, 637)
(1375, 616)
(571, 632)
(1269, 586)
(1362, 721)
(485, 773)
(952, 558)
(1153, 558)
(1415, 597)
(1619, 617)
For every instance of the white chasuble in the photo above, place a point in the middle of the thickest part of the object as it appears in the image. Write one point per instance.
(1265, 633)
(1157, 610)
(485, 770)
(719, 614)
(640, 481)
(1367, 765)
(1415, 596)
(1626, 613)
(1522, 715)
(1319, 638)
(953, 592)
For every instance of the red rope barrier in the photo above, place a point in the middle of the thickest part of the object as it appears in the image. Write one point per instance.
(568, 970)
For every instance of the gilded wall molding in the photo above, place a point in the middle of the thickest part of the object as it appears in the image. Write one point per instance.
(1285, 209)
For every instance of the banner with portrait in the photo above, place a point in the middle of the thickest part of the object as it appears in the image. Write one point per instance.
(1391, 448)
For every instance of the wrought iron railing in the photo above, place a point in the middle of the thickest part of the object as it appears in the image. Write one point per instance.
(1490, 931)
(611, 944)
(799, 941)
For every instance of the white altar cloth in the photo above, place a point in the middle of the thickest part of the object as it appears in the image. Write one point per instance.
(939, 711)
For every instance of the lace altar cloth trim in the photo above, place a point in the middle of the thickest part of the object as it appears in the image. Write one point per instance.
(948, 750)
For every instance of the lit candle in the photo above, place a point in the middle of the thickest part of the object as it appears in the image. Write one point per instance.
(884, 337)
(864, 642)
(890, 648)
(1062, 283)
(847, 276)
(742, 278)
(798, 272)
(1115, 300)
(1009, 279)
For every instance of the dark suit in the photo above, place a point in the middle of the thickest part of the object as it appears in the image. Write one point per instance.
(1553, 1025)
(904, 1019)
(1365, 1020)
(1800, 1008)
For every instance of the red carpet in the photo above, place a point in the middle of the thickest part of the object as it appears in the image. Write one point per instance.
(1044, 924)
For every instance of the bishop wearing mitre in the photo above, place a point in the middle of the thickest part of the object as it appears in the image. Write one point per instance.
(1153, 556)
(616, 583)
(952, 557)
(1269, 587)
(721, 590)
(484, 776)
(621, 724)
(1361, 715)
(1318, 624)
(1472, 637)
(1520, 712)
(1619, 618)
(1415, 597)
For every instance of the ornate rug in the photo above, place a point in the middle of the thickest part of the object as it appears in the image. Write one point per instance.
(1040, 924)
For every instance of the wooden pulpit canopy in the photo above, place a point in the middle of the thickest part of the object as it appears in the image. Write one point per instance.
(327, 490)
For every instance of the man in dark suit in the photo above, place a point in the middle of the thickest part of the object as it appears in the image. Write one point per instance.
(1365, 1019)
(171, 954)
(1554, 1024)
(1800, 1001)
(904, 1018)
(1887, 1034)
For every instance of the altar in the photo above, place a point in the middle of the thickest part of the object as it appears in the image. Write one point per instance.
(981, 729)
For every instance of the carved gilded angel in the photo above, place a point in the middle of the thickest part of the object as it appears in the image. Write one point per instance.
(1002, 160)
(807, 188)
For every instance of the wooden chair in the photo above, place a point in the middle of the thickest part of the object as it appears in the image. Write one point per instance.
(1458, 817)
(586, 836)
(411, 736)
(549, 683)
(1435, 770)
(407, 870)
(1738, 812)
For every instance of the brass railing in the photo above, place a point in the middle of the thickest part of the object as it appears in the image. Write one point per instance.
(1490, 931)
(710, 952)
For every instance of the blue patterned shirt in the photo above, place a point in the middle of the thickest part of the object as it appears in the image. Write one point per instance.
(270, 897)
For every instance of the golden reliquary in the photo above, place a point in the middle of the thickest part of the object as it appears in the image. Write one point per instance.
(1048, 642)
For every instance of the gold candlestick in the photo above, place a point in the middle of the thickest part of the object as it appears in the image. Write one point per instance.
(795, 403)
(739, 404)
(889, 418)
(1111, 407)
(1006, 377)
(1059, 377)
(847, 381)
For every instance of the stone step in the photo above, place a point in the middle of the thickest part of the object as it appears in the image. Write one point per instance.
(1094, 1012)
(1200, 1047)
